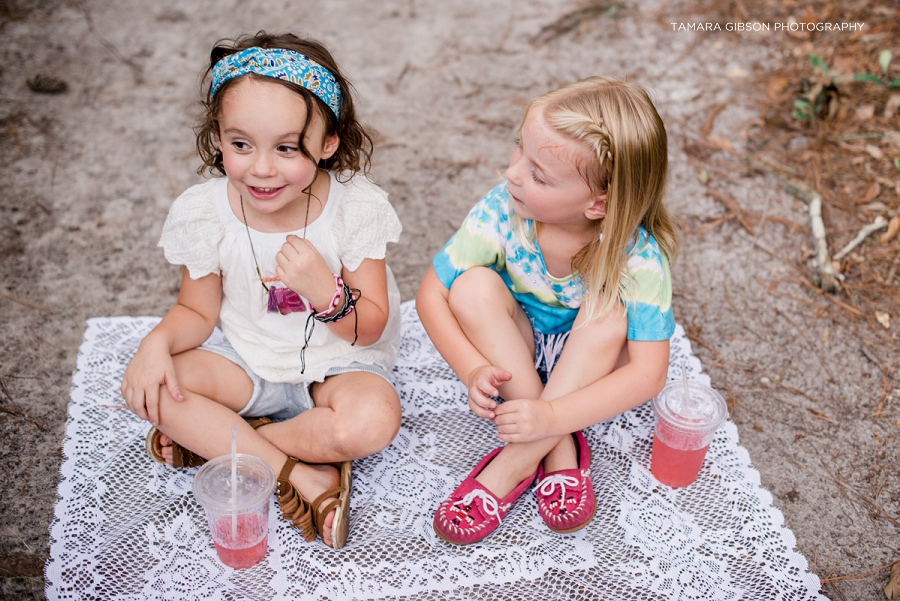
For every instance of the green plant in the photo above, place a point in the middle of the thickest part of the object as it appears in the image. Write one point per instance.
(819, 63)
(803, 110)
(815, 96)
(884, 61)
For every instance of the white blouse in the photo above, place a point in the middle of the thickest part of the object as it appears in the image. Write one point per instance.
(203, 234)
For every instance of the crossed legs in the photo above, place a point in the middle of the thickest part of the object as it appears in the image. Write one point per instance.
(356, 414)
(496, 325)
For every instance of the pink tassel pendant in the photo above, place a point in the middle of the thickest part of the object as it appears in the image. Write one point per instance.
(284, 301)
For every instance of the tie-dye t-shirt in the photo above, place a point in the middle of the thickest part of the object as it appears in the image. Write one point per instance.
(486, 239)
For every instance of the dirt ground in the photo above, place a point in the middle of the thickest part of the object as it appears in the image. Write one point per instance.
(88, 175)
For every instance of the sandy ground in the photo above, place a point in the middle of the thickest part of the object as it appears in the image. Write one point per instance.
(88, 176)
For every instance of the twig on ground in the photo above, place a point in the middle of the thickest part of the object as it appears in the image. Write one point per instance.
(818, 414)
(812, 346)
(21, 540)
(878, 507)
(26, 303)
(819, 309)
(730, 399)
(768, 377)
(885, 376)
(136, 70)
(768, 416)
(837, 481)
(885, 393)
(710, 117)
(700, 341)
(732, 205)
(741, 315)
(829, 278)
(567, 23)
(726, 366)
(864, 233)
(817, 225)
(815, 412)
(893, 269)
(9, 249)
(760, 246)
(873, 574)
(786, 387)
(42, 340)
(37, 422)
(841, 304)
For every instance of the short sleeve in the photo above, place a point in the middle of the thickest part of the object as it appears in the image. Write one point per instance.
(650, 315)
(479, 240)
(193, 230)
(365, 223)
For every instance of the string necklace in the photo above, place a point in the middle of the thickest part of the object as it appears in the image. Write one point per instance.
(284, 300)
(280, 300)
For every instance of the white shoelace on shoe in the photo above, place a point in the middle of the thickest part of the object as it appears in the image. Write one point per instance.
(488, 502)
(550, 482)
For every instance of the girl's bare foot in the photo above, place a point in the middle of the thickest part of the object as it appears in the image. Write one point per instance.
(311, 480)
(166, 450)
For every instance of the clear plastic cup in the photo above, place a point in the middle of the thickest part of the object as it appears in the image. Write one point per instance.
(240, 531)
(685, 424)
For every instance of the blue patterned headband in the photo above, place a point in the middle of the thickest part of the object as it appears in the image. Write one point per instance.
(281, 64)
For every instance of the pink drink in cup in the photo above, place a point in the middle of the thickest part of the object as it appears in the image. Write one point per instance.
(687, 415)
(240, 529)
(233, 550)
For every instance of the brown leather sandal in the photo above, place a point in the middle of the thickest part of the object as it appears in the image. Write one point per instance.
(182, 457)
(341, 506)
(294, 508)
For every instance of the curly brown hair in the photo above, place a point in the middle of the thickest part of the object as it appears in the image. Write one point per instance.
(354, 152)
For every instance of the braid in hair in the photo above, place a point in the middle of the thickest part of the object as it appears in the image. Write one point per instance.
(617, 122)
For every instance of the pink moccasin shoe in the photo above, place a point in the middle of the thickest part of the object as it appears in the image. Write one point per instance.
(566, 498)
(472, 512)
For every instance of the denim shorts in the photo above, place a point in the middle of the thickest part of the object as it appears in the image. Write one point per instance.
(282, 400)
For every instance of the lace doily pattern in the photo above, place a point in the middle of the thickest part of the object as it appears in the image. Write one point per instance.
(128, 528)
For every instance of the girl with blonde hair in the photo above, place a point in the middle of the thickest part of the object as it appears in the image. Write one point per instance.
(555, 295)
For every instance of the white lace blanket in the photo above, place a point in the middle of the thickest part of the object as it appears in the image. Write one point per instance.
(129, 528)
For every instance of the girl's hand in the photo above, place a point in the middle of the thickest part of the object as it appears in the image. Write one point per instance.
(150, 369)
(524, 420)
(483, 382)
(303, 270)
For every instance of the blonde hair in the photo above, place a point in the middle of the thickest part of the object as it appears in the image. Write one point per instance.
(617, 122)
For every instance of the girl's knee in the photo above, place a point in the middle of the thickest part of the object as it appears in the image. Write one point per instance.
(475, 289)
(190, 371)
(371, 425)
(611, 330)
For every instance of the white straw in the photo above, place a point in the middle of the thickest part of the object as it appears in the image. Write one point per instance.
(687, 391)
(234, 484)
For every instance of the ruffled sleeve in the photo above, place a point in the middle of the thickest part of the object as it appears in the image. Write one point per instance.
(193, 230)
(365, 223)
